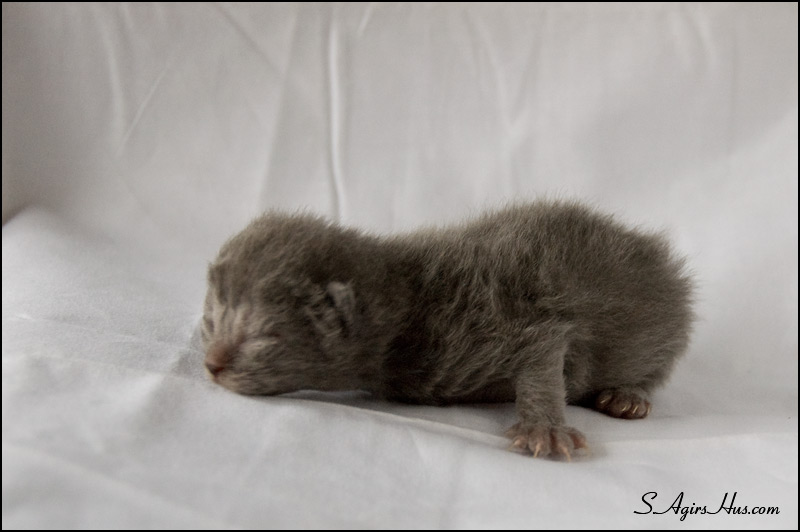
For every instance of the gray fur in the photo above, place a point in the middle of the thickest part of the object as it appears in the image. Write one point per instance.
(543, 304)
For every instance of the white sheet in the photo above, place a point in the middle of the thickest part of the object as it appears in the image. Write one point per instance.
(136, 138)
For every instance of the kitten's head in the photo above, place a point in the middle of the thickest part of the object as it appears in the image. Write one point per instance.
(268, 326)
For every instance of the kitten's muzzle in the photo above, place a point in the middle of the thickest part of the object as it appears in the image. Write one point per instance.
(218, 357)
(214, 369)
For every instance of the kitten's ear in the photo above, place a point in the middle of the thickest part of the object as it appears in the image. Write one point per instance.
(332, 309)
(344, 301)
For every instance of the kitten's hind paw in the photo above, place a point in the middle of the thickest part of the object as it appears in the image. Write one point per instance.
(619, 402)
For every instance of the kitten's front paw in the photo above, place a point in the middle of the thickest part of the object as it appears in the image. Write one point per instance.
(628, 404)
(546, 440)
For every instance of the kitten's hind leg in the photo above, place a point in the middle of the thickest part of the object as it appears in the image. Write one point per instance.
(623, 402)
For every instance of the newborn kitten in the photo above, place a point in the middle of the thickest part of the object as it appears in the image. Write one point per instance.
(543, 304)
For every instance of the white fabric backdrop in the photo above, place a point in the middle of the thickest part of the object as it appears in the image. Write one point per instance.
(136, 138)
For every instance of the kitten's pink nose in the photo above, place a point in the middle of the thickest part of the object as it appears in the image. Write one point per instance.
(217, 358)
(213, 368)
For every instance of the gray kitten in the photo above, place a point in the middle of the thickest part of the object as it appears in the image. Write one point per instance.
(543, 304)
